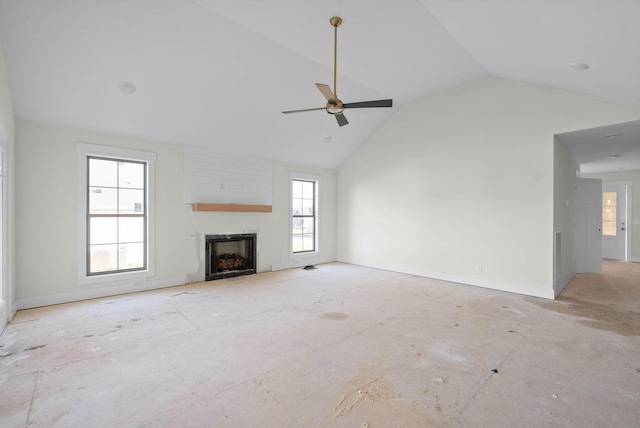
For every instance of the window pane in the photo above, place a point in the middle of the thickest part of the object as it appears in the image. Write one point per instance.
(296, 244)
(103, 200)
(131, 201)
(103, 173)
(303, 242)
(307, 207)
(131, 229)
(609, 214)
(609, 198)
(297, 233)
(103, 258)
(308, 242)
(308, 189)
(103, 230)
(609, 228)
(303, 235)
(296, 207)
(131, 256)
(297, 227)
(297, 189)
(308, 225)
(131, 175)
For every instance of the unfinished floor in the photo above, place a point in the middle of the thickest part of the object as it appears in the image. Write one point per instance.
(338, 346)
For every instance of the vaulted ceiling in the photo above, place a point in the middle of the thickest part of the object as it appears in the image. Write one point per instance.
(219, 72)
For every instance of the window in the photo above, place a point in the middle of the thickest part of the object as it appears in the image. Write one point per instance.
(609, 213)
(304, 194)
(115, 213)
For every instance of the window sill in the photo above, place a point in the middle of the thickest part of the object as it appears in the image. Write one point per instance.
(305, 255)
(114, 277)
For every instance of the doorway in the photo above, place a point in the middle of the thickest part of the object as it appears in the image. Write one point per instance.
(615, 206)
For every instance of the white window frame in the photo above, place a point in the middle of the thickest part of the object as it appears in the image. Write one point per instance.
(84, 151)
(316, 179)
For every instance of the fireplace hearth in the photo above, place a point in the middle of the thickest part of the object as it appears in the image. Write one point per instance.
(230, 255)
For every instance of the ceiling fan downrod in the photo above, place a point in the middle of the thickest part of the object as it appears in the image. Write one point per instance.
(335, 22)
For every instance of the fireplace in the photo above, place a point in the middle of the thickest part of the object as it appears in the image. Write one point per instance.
(230, 255)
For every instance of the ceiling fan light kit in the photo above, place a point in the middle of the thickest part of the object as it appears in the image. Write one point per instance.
(334, 105)
(336, 108)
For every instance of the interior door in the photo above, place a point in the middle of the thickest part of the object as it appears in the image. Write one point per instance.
(588, 236)
(614, 221)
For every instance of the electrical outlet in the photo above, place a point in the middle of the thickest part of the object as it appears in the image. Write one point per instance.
(478, 268)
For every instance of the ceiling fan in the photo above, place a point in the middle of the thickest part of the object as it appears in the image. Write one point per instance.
(335, 106)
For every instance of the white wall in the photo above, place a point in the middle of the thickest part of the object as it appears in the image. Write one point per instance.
(46, 217)
(634, 222)
(6, 106)
(7, 123)
(564, 213)
(464, 179)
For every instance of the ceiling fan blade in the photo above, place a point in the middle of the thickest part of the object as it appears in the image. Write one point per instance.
(367, 104)
(342, 120)
(303, 110)
(326, 91)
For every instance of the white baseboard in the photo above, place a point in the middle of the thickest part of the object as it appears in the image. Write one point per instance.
(301, 261)
(634, 259)
(477, 282)
(95, 293)
(4, 314)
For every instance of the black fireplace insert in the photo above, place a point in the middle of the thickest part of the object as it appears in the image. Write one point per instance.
(230, 255)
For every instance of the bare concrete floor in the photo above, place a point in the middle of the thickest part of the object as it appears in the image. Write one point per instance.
(338, 346)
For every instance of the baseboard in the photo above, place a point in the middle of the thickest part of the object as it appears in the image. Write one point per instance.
(4, 314)
(476, 282)
(297, 262)
(7, 311)
(562, 283)
(634, 259)
(96, 293)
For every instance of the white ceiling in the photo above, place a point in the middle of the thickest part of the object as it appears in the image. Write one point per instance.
(606, 148)
(219, 72)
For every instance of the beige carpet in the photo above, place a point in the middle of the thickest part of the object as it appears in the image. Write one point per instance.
(338, 346)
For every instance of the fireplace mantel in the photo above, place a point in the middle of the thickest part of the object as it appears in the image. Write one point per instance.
(235, 208)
